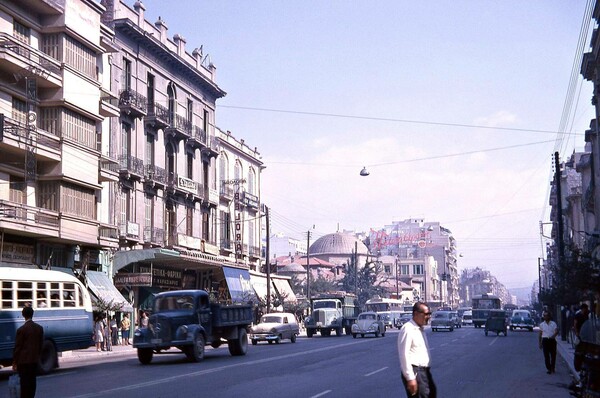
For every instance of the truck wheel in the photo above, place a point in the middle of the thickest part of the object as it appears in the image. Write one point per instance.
(309, 333)
(48, 360)
(348, 330)
(293, 338)
(354, 335)
(145, 355)
(254, 342)
(339, 331)
(325, 332)
(195, 352)
(239, 345)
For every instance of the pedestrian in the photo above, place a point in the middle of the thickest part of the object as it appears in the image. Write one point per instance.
(27, 352)
(125, 325)
(99, 333)
(413, 351)
(144, 320)
(547, 341)
(580, 317)
(114, 331)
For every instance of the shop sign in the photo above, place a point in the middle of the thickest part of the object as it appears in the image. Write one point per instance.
(17, 253)
(163, 277)
(133, 279)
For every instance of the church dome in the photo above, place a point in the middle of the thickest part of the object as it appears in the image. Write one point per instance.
(337, 243)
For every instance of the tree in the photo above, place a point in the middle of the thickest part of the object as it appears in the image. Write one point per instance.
(365, 282)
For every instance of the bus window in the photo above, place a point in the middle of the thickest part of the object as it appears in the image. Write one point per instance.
(80, 296)
(69, 295)
(54, 295)
(7, 295)
(24, 294)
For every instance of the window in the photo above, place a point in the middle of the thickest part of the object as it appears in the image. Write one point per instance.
(205, 122)
(225, 228)
(172, 102)
(78, 201)
(49, 120)
(252, 181)
(148, 215)
(189, 221)
(223, 167)
(149, 149)
(50, 46)
(418, 269)
(190, 110)
(47, 194)
(24, 294)
(21, 32)
(80, 57)
(205, 226)
(79, 128)
(405, 269)
(19, 111)
(150, 91)
(16, 190)
(124, 205)
(190, 166)
(126, 75)
(125, 138)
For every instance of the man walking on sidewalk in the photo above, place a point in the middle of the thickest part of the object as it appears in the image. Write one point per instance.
(548, 333)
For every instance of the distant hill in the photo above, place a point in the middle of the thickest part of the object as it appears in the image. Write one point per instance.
(522, 294)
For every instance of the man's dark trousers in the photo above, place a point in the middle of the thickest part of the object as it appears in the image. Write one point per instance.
(549, 347)
(27, 374)
(425, 386)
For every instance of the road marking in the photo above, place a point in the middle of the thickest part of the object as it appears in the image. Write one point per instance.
(172, 379)
(375, 371)
(493, 341)
(58, 374)
(321, 394)
(454, 340)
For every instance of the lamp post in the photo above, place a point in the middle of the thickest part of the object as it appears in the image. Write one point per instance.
(397, 287)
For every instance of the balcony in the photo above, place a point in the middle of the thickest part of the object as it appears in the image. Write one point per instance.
(254, 251)
(19, 217)
(155, 236)
(179, 127)
(20, 60)
(131, 167)
(157, 117)
(155, 176)
(197, 138)
(129, 230)
(226, 192)
(21, 137)
(226, 245)
(133, 103)
(109, 105)
(108, 235)
(108, 168)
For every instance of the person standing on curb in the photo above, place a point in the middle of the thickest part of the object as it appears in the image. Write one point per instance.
(125, 325)
(27, 352)
(413, 351)
(547, 341)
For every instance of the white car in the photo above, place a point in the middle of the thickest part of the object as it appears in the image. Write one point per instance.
(368, 323)
(468, 318)
(275, 327)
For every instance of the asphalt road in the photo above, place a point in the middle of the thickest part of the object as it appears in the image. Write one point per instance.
(465, 364)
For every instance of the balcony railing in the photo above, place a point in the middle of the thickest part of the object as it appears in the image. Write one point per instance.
(23, 213)
(38, 138)
(131, 165)
(226, 192)
(158, 116)
(108, 231)
(254, 251)
(179, 127)
(133, 103)
(198, 136)
(41, 64)
(226, 244)
(156, 175)
(129, 230)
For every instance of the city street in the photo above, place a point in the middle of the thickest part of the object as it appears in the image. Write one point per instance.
(465, 364)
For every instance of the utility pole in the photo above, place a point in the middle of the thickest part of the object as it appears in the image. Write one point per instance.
(308, 267)
(268, 258)
(356, 268)
(559, 214)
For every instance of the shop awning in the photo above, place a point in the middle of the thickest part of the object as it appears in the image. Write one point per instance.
(240, 287)
(102, 287)
(259, 284)
(284, 289)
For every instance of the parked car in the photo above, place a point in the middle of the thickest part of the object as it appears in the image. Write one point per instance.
(468, 318)
(442, 320)
(521, 319)
(368, 323)
(275, 327)
(404, 317)
(457, 319)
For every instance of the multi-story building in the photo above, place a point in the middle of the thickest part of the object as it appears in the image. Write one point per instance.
(110, 155)
(182, 222)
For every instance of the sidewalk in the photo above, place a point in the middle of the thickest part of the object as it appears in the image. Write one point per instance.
(88, 353)
(567, 352)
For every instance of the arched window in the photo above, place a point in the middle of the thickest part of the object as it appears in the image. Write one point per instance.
(252, 181)
(237, 171)
(172, 94)
(223, 167)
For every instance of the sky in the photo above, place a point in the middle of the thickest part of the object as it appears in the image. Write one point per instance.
(454, 107)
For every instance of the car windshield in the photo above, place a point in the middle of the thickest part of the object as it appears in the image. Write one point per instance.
(172, 303)
(440, 315)
(367, 316)
(271, 319)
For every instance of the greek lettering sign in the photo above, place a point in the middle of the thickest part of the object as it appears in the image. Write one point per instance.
(16, 253)
(164, 277)
(133, 279)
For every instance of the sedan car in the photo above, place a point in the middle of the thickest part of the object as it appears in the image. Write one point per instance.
(368, 323)
(521, 319)
(442, 320)
(405, 317)
(275, 327)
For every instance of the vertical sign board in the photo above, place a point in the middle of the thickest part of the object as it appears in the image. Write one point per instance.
(237, 203)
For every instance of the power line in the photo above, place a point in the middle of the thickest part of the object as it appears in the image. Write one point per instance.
(383, 119)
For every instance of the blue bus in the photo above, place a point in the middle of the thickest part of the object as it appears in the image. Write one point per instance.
(62, 306)
(482, 304)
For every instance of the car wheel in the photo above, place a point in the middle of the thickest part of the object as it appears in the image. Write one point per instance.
(377, 333)
(452, 329)
(278, 339)
(145, 355)
(362, 335)
(531, 329)
(254, 342)
(309, 333)
(293, 338)
(195, 352)
(486, 332)
(270, 341)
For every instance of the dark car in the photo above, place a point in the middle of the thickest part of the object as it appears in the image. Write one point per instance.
(496, 322)
(521, 319)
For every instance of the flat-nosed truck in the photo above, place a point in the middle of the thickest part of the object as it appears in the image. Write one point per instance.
(332, 312)
(187, 320)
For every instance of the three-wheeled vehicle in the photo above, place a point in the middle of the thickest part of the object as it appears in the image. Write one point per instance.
(496, 322)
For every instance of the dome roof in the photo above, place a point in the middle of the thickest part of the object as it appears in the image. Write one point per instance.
(292, 267)
(337, 243)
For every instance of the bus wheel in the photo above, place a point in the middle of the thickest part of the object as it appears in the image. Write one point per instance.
(48, 360)
(145, 355)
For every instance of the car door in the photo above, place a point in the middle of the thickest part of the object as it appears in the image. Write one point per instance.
(286, 328)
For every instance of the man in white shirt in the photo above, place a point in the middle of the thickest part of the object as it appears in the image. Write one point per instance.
(548, 333)
(413, 351)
